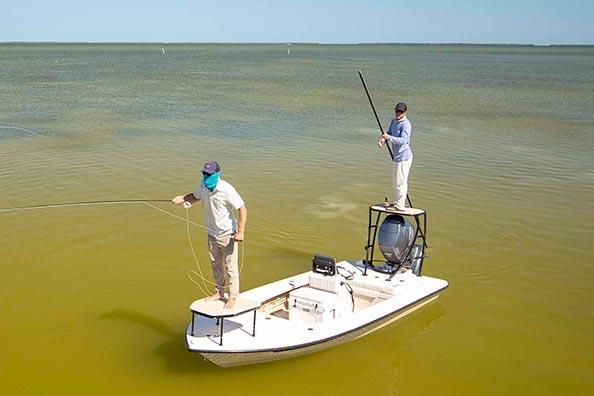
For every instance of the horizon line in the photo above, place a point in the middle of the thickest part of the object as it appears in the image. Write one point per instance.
(290, 43)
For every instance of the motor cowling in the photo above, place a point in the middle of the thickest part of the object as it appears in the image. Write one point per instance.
(396, 236)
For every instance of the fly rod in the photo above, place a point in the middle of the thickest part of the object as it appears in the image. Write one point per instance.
(82, 203)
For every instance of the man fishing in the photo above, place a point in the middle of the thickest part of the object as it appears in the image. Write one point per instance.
(399, 134)
(219, 198)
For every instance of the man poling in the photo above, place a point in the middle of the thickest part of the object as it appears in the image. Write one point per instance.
(398, 134)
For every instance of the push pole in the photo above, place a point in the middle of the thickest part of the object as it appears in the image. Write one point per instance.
(375, 112)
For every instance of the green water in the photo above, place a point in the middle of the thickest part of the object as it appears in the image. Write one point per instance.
(94, 300)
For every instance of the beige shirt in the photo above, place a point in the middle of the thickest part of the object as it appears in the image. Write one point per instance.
(218, 207)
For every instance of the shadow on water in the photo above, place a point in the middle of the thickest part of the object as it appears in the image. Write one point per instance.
(288, 253)
(177, 359)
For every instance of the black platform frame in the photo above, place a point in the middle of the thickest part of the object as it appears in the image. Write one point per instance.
(420, 217)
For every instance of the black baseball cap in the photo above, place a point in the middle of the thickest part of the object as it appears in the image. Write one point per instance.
(400, 107)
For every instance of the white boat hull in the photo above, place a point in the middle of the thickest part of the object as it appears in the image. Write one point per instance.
(377, 301)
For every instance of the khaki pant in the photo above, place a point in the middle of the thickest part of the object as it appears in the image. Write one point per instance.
(400, 172)
(223, 258)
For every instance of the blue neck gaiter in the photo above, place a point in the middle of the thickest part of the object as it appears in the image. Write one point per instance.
(210, 181)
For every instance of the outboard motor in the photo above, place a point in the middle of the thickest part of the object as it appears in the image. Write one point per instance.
(395, 239)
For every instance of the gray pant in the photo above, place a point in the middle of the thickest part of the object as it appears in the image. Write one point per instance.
(223, 258)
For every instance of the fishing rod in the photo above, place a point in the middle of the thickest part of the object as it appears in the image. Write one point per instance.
(375, 112)
(82, 203)
(199, 274)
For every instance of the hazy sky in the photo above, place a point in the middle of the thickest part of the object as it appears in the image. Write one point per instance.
(323, 21)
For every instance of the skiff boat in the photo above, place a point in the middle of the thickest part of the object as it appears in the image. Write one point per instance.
(333, 303)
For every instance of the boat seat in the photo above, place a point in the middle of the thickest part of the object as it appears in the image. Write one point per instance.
(327, 283)
(373, 284)
(333, 284)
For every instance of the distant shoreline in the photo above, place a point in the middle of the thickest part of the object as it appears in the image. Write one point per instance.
(285, 43)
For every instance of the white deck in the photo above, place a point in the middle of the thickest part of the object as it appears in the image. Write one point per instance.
(216, 308)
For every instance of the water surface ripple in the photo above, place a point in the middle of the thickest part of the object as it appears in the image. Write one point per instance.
(95, 299)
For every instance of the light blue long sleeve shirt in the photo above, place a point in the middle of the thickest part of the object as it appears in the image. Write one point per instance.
(400, 132)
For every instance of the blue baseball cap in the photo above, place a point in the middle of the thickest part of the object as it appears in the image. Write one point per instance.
(211, 168)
